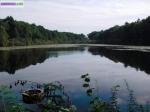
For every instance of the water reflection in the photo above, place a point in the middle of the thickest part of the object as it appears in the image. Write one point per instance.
(137, 59)
(71, 63)
(11, 61)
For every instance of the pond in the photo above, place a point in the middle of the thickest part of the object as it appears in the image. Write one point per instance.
(108, 66)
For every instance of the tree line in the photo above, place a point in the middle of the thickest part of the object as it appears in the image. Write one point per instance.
(135, 33)
(19, 33)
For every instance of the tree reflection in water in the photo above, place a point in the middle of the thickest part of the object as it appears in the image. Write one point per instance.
(13, 60)
(137, 59)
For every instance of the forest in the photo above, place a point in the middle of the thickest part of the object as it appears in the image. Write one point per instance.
(19, 33)
(135, 33)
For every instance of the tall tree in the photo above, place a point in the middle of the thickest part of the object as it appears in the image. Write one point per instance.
(3, 37)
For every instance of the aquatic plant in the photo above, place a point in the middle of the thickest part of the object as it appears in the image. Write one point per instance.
(99, 105)
(96, 103)
(55, 99)
(8, 102)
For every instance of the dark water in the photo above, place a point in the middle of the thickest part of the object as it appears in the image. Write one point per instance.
(107, 67)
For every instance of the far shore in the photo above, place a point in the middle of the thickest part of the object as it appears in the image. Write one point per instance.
(39, 46)
(74, 45)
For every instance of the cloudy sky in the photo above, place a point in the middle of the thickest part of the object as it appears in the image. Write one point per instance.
(79, 16)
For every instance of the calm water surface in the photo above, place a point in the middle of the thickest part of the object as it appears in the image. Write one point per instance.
(107, 67)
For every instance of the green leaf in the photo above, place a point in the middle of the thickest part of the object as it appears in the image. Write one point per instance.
(87, 79)
(84, 76)
(89, 92)
(85, 85)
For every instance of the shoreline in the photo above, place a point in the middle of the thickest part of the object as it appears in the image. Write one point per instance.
(73, 45)
(38, 46)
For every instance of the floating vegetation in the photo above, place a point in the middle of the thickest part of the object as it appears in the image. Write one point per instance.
(49, 97)
(8, 101)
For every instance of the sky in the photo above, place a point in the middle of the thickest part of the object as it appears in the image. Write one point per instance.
(79, 16)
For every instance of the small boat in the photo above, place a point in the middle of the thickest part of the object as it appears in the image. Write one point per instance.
(33, 96)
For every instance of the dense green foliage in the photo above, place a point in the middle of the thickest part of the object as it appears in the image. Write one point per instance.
(19, 33)
(16, 33)
(136, 33)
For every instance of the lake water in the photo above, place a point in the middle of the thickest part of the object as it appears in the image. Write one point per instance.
(107, 66)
